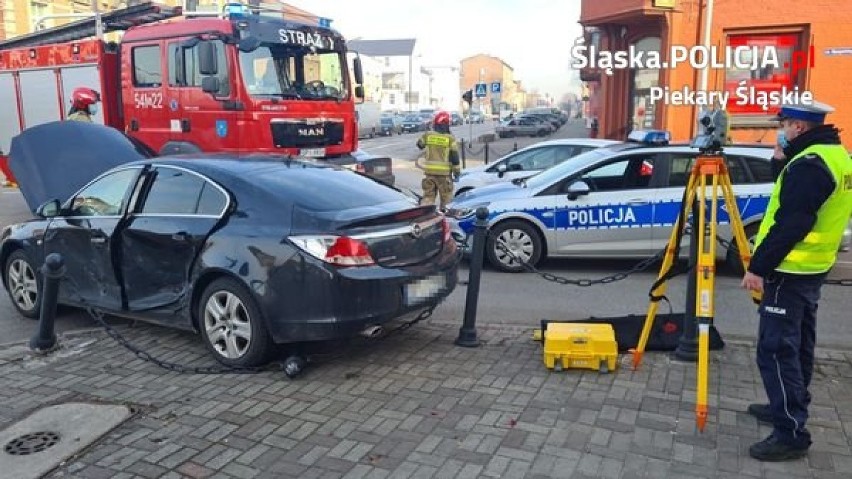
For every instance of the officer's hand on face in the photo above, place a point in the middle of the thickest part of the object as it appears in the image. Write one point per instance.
(752, 282)
(778, 154)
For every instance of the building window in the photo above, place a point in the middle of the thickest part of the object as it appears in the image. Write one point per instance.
(392, 98)
(761, 79)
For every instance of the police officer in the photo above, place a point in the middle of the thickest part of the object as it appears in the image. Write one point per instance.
(84, 104)
(441, 165)
(795, 248)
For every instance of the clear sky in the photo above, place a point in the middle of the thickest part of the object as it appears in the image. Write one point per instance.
(533, 36)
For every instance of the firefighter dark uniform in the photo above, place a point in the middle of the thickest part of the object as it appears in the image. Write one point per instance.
(441, 163)
(795, 248)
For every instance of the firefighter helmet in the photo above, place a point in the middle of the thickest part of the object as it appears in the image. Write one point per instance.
(82, 98)
(442, 118)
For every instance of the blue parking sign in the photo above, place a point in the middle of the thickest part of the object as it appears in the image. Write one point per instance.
(481, 90)
(495, 87)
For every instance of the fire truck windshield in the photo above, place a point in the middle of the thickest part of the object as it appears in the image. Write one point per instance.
(291, 71)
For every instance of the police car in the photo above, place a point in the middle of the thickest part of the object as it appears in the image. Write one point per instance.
(618, 201)
(526, 162)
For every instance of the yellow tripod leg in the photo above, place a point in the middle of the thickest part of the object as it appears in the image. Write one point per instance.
(660, 290)
(743, 246)
(703, 365)
(705, 282)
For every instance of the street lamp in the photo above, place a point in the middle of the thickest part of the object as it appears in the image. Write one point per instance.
(410, 57)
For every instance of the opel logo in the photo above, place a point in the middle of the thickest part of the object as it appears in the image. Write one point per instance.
(416, 230)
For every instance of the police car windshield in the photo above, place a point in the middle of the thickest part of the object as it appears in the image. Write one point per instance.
(556, 173)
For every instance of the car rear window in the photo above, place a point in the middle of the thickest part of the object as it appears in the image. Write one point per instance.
(325, 189)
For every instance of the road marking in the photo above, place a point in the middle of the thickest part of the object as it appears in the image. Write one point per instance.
(387, 145)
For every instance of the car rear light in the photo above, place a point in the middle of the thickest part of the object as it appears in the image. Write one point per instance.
(336, 250)
(445, 228)
(360, 168)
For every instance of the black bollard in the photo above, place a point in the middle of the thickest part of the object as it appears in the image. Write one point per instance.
(52, 271)
(467, 333)
(486, 152)
(515, 148)
(463, 156)
(687, 346)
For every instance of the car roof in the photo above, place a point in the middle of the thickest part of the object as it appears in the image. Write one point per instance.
(599, 142)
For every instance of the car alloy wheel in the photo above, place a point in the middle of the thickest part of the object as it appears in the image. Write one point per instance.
(227, 325)
(22, 282)
(232, 325)
(522, 242)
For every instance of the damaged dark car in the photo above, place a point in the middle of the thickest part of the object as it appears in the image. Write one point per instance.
(248, 251)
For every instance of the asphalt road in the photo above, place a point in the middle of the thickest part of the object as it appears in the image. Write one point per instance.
(524, 299)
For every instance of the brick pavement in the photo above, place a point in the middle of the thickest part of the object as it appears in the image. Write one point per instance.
(415, 406)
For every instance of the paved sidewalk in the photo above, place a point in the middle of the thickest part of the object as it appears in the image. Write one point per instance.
(415, 405)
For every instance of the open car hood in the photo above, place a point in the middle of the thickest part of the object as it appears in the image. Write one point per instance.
(54, 160)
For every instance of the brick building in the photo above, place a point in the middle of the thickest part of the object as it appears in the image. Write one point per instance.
(487, 69)
(621, 101)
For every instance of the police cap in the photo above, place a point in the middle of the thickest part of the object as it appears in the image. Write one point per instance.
(813, 112)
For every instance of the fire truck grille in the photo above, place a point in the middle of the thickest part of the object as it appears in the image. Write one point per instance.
(301, 133)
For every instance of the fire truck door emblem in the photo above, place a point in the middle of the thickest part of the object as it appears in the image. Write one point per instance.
(222, 128)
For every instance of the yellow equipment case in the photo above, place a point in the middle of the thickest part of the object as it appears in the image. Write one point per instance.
(579, 346)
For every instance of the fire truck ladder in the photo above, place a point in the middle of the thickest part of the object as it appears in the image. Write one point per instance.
(115, 20)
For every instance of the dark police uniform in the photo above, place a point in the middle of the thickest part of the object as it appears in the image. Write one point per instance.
(795, 248)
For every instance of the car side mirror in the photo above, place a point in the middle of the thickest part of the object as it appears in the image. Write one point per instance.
(49, 209)
(207, 64)
(210, 85)
(502, 169)
(578, 189)
(359, 92)
(358, 71)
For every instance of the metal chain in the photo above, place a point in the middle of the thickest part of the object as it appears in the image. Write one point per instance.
(641, 266)
(180, 368)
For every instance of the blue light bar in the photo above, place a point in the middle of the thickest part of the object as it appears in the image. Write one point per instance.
(236, 10)
(650, 137)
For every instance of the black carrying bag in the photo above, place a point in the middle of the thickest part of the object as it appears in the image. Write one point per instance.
(665, 332)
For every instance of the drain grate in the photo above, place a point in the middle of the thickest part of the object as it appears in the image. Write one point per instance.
(31, 443)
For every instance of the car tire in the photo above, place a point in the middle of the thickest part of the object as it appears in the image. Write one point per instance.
(522, 238)
(732, 257)
(238, 336)
(23, 284)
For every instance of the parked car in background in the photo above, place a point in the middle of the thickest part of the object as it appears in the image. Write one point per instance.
(247, 251)
(526, 162)
(368, 115)
(414, 123)
(475, 116)
(390, 125)
(456, 119)
(523, 127)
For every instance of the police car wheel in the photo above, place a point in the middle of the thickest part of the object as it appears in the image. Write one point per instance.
(732, 257)
(522, 241)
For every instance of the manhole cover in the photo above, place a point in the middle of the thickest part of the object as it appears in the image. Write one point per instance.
(31, 443)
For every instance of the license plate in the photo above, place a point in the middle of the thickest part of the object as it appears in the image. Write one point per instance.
(380, 169)
(314, 152)
(423, 289)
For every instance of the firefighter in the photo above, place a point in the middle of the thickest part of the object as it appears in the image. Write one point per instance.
(795, 248)
(84, 104)
(441, 165)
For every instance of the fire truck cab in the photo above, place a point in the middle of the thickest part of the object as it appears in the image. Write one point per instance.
(236, 82)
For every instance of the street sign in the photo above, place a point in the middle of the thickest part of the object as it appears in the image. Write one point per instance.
(495, 87)
(481, 90)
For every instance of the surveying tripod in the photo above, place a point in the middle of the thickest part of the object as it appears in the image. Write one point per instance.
(712, 167)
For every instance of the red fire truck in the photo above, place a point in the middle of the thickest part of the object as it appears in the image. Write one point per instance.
(236, 82)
